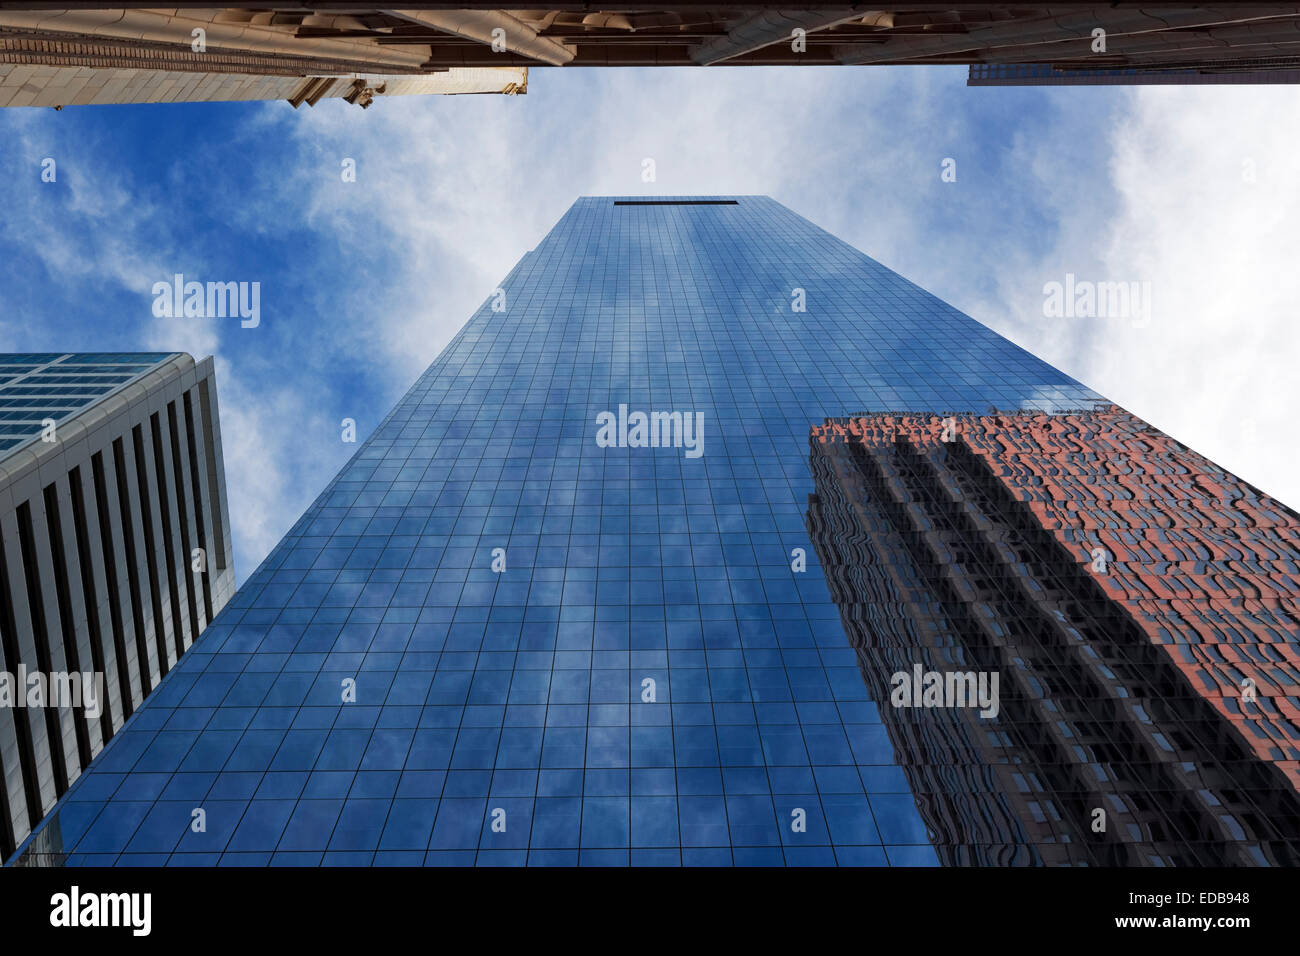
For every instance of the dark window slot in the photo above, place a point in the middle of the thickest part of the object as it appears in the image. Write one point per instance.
(22, 721)
(150, 552)
(63, 596)
(111, 582)
(94, 631)
(179, 478)
(196, 492)
(166, 527)
(132, 567)
(41, 638)
(676, 202)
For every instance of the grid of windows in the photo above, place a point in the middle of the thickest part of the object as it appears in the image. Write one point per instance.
(644, 676)
(37, 387)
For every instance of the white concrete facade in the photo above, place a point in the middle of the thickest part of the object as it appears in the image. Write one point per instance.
(101, 533)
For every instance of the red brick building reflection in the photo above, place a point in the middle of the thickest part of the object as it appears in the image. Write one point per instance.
(978, 532)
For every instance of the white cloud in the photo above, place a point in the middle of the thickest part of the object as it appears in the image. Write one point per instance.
(1215, 366)
(1142, 184)
(452, 191)
(267, 435)
(101, 234)
(455, 190)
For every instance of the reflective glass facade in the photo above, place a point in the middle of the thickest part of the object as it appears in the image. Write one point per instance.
(1136, 605)
(646, 672)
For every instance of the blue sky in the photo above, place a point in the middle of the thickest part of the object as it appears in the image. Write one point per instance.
(362, 283)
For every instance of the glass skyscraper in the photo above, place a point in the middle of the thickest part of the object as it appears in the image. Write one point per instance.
(564, 606)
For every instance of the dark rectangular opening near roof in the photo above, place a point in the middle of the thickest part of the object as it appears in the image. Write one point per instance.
(676, 202)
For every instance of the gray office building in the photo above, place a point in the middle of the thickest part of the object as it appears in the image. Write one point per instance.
(115, 555)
